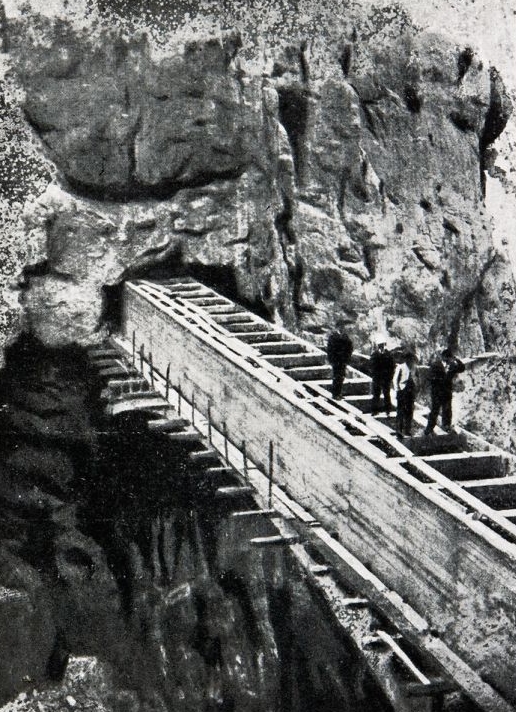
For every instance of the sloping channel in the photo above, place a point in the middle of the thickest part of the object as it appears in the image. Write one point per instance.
(224, 617)
(425, 516)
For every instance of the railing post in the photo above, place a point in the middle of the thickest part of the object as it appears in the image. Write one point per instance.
(244, 455)
(151, 367)
(225, 431)
(167, 382)
(193, 408)
(209, 422)
(142, 350)
(179, 398)
(134, 348)
(271, 471)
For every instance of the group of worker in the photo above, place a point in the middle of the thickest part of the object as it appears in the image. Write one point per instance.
(402, 374)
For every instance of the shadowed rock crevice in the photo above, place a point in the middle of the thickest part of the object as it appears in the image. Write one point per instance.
(468, 301)
(283, 222)
(464, 61)
(370, 260)
(421, 257)
(163, 190)
(412, 98)
(293, 114)
(500, 109)
(463, 123)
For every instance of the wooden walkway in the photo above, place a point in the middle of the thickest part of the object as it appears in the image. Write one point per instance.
(432, 518)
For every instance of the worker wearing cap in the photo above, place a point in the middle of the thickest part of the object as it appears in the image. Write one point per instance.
(339, 350)
(382, 370)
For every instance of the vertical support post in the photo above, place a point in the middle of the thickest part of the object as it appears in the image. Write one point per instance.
(142, 350)
(151, 368)
(179, 397)
(225, 431)
(271, 471)
(244, 455)
(134, 347)
(193, 408)
(167, 382)
(209, 422)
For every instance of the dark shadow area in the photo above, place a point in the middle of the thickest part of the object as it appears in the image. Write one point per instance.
(412, 99)
(136, 190)
(221, 278)
(463, 123)
(293, 114)
(345, 59)
(282, 221)
(498, 114)
(464, 61)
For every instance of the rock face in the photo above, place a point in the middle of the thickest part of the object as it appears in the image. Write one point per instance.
(344, 176)
(121, 126)
(58, 592)
(311, 160)
(340, 176)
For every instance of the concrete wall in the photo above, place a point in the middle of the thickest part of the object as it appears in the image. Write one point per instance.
(458, 580)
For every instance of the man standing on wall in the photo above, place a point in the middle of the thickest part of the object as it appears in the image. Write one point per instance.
(339, 350)
(442, 372)
(406, 384)
(382, 370)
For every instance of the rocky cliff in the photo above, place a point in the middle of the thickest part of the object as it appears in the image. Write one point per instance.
(330, 163)
(311, 160)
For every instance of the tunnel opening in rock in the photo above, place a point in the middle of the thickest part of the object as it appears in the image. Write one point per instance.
(221, 278)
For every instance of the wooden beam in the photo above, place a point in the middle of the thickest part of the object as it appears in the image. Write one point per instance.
(388, 639)
(274, 540)
(233, 491)
(250, 513)
(167, 425)
(491, 482)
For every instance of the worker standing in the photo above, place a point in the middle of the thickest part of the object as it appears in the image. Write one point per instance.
(442, 372)
(406, 383)
(382, 370)
(339, 350)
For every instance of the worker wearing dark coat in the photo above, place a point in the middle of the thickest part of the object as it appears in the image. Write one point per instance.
(339, 350)
(382, 367)
(442, 372)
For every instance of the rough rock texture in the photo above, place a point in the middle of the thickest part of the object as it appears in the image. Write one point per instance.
(311, 159)
(340, 174)
(116, 554)
(352, 184)
(53, 573)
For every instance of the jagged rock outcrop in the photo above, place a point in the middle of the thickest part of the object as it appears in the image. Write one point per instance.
(351, 183)
(343, 176)
(120, 125)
